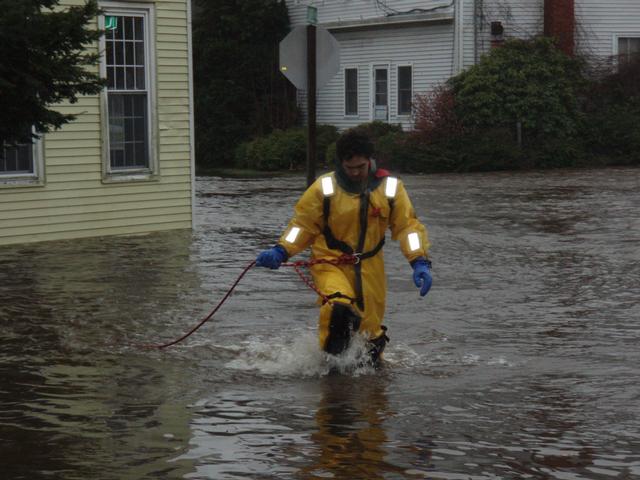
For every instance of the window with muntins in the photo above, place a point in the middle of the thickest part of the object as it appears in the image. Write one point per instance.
(17, 160)
(21, 162)
(405, 90)
(381, 87)
(628, 48)
(127, 71)
(351, 91)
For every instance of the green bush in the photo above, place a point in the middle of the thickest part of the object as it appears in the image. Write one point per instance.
(492, 149)
(330, 154)
(527, 81)
(241, 155)
(396, 151)
(378, 129)
(612, 115)
(375, 131)
(283, 149)
(555, 152)
(614, 133)
(326, 135)
(280, 150)
(469, 124)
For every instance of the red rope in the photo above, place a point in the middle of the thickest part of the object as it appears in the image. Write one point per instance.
(205, 319)
(342, 260)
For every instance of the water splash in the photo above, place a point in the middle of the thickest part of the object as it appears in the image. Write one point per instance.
(300, 357)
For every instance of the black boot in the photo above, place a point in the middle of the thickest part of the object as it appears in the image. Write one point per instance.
(344, 321)
(377, 347)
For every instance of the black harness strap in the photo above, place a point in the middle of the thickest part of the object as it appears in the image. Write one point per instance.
(339, 295)
(334, 243)
(364, 209)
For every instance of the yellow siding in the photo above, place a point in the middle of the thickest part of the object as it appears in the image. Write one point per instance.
(96, 203)
(74, 202)
(88, 193)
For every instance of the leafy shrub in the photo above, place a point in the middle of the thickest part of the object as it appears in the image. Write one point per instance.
(613, 133)
(527, 81)
(283, 149)
(435, 114)
(241, 155)
(612, 115)
(326, 135)
(469, 124)
(491, 149)
(377, 129)
(396, 151)
(330, 154)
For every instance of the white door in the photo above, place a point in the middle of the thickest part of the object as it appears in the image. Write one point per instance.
(381, 93)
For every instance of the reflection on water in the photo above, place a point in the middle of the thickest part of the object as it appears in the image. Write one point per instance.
(522, 362)
(350, 440)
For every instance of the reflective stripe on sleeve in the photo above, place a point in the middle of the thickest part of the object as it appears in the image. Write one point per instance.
(293, 234)
(327, 186)
(392, 186)
(414, 242)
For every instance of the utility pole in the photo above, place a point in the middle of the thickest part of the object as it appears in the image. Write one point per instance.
(309, 58)
(311, 104)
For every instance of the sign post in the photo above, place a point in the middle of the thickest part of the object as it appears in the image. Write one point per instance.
(311, 104)
(309, 58)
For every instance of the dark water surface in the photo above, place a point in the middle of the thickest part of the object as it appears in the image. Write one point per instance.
(522, 363)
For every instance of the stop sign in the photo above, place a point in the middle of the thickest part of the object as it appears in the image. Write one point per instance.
(293, 57)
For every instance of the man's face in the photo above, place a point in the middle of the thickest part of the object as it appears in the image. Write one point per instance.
(356, 168)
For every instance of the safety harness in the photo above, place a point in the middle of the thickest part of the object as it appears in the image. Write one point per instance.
(336, 244)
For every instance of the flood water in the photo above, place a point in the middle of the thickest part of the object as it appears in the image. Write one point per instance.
(523, 362)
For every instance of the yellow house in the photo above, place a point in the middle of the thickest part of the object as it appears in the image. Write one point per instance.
(126, 164)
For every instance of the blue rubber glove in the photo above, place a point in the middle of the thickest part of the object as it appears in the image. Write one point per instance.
(422, 275)
(272, 258)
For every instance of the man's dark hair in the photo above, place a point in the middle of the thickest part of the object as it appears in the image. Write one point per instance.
(353, 142)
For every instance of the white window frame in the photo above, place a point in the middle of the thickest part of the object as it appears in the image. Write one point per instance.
(147, 11)
(372, 90)
(344, 90)
(398, 114)
(616, 43)
(28, 179)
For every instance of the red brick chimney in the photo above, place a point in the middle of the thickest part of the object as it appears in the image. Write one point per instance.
(559, 23)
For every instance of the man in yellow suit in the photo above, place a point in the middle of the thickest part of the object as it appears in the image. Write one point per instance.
(346, 213)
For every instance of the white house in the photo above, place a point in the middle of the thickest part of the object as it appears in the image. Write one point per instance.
(392, 49)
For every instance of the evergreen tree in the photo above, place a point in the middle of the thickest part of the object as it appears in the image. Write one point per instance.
(239, 91)
(43, 61)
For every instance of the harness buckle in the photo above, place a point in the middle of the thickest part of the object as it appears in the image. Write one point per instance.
(357, 257)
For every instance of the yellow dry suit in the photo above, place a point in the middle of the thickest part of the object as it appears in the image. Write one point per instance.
(334, 221)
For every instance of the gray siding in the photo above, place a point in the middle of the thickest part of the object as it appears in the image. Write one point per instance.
(341, 10)
(431, 47)
(520, 18)
(469, 38)
(599, 23)
(427, 48)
